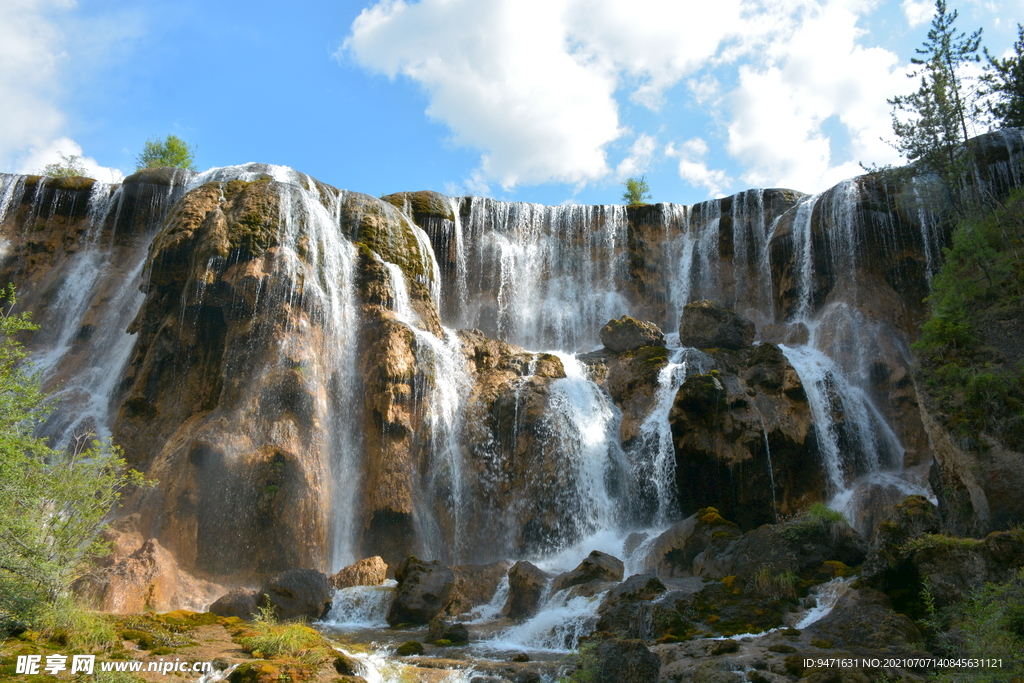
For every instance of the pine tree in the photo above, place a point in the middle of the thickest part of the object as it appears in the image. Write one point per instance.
(942, 111)
(1004, 79)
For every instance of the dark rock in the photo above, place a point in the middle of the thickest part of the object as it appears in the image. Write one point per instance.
(370, 571)
(721, 647)
(707, 324)
(520, 657)
(629, 334)
(409, 647)
(526, 584)
(424, 590)
(298, 594)
(475, 584)
(626, 610)
(345, 665)
(625, 661)
(240, 603)
(865, 618)
(454, 634)
(672, 554)
(597, 566)
(909, 520)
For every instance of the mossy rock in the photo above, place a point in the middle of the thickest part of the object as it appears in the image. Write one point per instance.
(409, 648)
(256, 672)
(422, 206)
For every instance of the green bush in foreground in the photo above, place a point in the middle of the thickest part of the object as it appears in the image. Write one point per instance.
(52, 503)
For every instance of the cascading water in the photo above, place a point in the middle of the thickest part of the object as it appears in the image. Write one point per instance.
(541, 276)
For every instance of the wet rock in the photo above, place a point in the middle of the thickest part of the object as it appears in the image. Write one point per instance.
(625, 610)
(424, 590)
(707, 324)
(628, 334)
(625, 661)
(597, 566)
(475, 584)
(526, 583)
(147, 579)
(673, 552)
(409, 648)
(345, 665)
(452, 634)
(744, 441)
(865, 618)
(298, 594)
(909, 520)
(371, 571)
(240, 603)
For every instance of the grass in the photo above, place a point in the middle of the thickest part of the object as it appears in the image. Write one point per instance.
(268, 639)
(68, 624)
(775, 585)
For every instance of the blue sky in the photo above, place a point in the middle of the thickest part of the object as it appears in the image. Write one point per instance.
(546, 101)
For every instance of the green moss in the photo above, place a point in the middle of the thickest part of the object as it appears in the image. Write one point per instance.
(410, 647)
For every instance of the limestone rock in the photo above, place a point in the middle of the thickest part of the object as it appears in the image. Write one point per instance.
(526, 583)
(298, 594)
(597, 566)
(424, 590)
(626, 608)
(865, 618)
(370, 571)
(673, 552)
(148, 579)
(240, 603)
(475, 584)
(744, 441)
(439, 629)
(629, 334)
(707, 324)
(625, 661)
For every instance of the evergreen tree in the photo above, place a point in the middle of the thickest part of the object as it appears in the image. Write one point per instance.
(1004, 79)
(171, 152)
(943, 109)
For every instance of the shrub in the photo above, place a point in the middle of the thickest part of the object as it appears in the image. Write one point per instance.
(171, 152)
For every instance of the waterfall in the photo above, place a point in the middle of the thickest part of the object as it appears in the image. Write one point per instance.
(542, 276)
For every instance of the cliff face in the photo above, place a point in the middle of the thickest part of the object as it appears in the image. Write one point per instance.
(314, 375)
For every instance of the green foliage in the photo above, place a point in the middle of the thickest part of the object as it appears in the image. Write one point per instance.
(977, 387)
(296, 641)
(931, 124)
(820, 512)
(773, 585)
(66, 623)
(170, 152)
(637, 192)
(588, 667)
(991, 625)
(70, 165)
(52, 503)
(1004, 79)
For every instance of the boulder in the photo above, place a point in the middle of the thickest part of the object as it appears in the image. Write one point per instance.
(625, 661)
(475, 584)
(424, 590)
(240, 603)
(526, 583)
(439, 630)
(672, 554)
(626, 609)
(707, 324)
(864, 618)
(629, 334)
(298, 594)
(370, 571)
(597, 566)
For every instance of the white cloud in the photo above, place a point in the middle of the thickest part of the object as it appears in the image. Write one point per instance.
(817, 75)
(531, 83)
(31, 52)
(37, 158)
(694, 170)
(640, 156)
(917, 12)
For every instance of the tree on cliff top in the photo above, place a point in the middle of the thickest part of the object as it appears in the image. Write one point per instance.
(170, 152)
(70, 165)
(932, 125)
(637, 191)
(52, 503)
